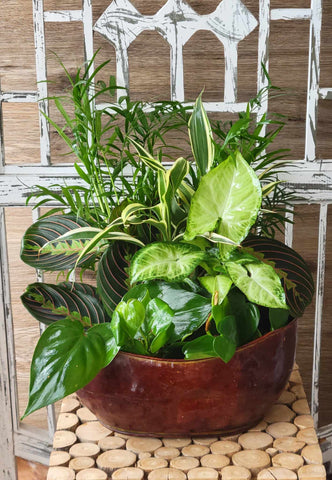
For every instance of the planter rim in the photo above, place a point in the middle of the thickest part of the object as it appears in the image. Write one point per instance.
(247, 346)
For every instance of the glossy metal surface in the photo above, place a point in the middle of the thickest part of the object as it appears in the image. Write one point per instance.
(149, 396)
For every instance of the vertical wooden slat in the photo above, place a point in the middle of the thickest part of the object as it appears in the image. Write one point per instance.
(263, 55)
(2, 145)
(41, 75)
(289, 228)
(313, 80)
(231, 57)
(177, 79)
(319, 310)
(7, 365)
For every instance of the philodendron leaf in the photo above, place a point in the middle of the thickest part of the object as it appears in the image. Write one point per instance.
(226, 202)
(166, 261)
(126, 320)
(49, 303)
(278, 317)
(201, 347)
(208, 346)
(66, 358)
(259, 282)
(190, 309)
(224, 348)
(201, 137)
(59, 256)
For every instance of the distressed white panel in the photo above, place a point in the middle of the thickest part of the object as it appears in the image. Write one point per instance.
(32, 444)
(176, 22)
(63, 16)
(320, 281)
(263, 56)
(290, 13)
(19, 97)
(313, 80)
(209, 106)
(7, 364)
(325, 93)
(41, 74)
(289, 228)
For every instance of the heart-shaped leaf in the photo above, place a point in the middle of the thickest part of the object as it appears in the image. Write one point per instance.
(66, 358)
(259, 282)
(190, 309)
(166, 261)
(61, 256)
(295, 273)
(233, 210)
(49, 303)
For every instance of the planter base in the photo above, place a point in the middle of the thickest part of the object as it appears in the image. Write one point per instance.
(159, 397)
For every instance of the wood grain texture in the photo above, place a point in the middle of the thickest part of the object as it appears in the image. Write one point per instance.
(149, 80)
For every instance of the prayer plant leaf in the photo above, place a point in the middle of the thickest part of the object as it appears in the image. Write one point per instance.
(201, 140)
(49, 303)
(259, 282)
(66, 359)
(233, 211)
(112, 276)
(166, 261)
(60, 255)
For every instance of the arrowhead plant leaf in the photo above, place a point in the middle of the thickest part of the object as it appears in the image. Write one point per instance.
(165, 261)
(259, 282)
(226, 202)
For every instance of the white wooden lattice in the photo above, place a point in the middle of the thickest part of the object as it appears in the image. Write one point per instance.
(176, 22)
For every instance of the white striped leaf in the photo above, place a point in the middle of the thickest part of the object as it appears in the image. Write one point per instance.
(166, 261)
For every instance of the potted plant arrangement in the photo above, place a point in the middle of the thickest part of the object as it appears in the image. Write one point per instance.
(191, 328)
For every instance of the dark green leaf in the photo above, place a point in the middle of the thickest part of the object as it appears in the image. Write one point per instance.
(224, 348)
(191, 310)
(65, 359)
(126, 320)
(278, 317)
(201, 347)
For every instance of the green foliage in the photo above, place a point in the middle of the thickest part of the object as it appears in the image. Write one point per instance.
(179, 236)
(66, 358)
(49, 303)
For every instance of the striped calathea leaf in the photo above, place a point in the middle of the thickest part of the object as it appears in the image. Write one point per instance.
(112, 275)
(41, 250)
(75, 301)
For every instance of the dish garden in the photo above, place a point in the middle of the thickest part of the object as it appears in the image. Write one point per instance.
(191, 284)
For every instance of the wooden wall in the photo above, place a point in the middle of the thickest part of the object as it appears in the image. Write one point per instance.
(149, 80)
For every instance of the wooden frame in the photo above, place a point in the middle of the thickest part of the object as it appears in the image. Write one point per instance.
(16, 180)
